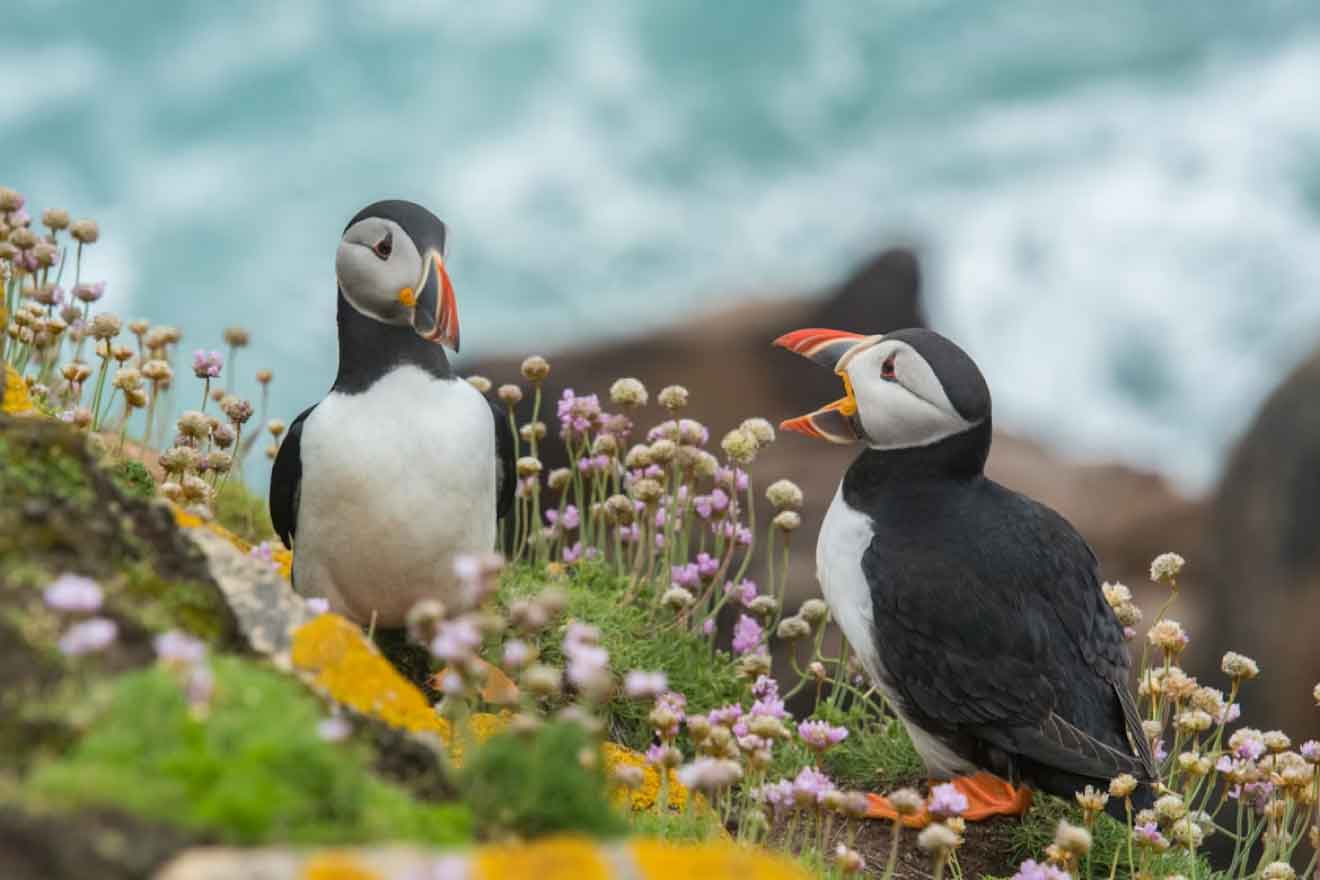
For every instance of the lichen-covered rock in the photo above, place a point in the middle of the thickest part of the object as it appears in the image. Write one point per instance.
(14, 398)
(64, 513)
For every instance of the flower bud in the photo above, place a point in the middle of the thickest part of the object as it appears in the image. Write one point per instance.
(535, 369)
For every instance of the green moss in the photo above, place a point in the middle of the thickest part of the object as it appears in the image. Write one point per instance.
(708, 678)
(242, 511)
(133, 479)
(537, 785)
(253, 770)
(160, 603)
(34, 469)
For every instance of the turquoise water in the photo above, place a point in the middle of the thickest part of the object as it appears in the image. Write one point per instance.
(1119, 203)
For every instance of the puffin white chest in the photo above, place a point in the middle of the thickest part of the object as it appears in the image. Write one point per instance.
(397, 481)
(845, 536)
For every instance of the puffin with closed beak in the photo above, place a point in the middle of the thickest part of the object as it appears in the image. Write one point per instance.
(403, 467)
(975, 610)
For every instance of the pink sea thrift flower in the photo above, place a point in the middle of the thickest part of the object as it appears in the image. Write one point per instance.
(813, 783)
(1030, 870)
(207, 365)
(945, 801)
(747, 635)
(639, 685)
(88, 637)
(73, 593)
(821, 735)
(179, 648)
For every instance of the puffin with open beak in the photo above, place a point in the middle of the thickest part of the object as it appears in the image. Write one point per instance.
(975, 610)
(403, 466)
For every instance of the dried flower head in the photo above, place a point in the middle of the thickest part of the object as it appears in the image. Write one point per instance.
(1278, 871)
(647, 491)
(628, 393)
(938, 839)
(194, 425)
(106, 326)
(157, 371)
(481, 383)
(784, 495)
(1168, 636)
(535, 369)
(1072, 839)
(1165, 568)
(1116, 594)
(740, 446)
(264, 376)
(787, 520)
(509, 395)
(760, 429)
(793, 628)
(673, 397)
(55, 218)
(529, 466)
(238, 337)
(85, 231)
(676, 598)
(11, 200)
(1240, 667)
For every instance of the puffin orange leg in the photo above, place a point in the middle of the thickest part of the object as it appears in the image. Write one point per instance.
(988, 795)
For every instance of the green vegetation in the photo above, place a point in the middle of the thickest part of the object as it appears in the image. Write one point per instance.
(251, 770)
(242, 511)
(543, 783)
(708, 678)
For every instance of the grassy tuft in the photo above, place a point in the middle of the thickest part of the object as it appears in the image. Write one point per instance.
(242, 511)
(544, 783)
(705, 676)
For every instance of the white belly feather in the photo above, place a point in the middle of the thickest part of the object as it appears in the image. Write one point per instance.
(396, 482)
(844, 537)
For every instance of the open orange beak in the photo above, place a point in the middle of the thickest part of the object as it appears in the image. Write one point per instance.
(834, 422)
(435, 313)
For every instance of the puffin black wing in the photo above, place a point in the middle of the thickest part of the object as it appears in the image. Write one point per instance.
(995, 637)
(286, 481)
(506, 474)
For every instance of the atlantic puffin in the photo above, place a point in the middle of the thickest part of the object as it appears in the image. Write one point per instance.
(403, 466)
(975, 610)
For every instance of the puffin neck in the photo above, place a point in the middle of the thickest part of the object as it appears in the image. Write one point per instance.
(369, 349)
(957, 458)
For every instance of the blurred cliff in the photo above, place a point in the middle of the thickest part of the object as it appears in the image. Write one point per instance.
(1254, 562)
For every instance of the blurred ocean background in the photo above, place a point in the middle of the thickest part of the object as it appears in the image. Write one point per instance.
(1118, 204)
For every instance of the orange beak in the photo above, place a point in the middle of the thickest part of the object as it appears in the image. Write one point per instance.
(435, 315)
(834, 422)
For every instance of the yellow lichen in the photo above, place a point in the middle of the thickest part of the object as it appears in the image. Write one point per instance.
(554, 858)
(336, 866)
(283, 558)
(16, 398)
(348, 667)
(645, 796)
(658, 860)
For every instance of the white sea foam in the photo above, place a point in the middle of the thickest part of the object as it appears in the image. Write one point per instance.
(1114, 215)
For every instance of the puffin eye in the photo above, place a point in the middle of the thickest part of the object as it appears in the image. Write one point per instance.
(887, 369)
(385, 246)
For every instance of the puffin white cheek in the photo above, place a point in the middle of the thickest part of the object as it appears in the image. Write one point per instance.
(895, 418)
(367, 283)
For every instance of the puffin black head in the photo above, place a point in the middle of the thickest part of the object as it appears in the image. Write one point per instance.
(906, 389)
(391, 268)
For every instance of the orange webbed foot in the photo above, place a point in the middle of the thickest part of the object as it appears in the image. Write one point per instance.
(987, 796)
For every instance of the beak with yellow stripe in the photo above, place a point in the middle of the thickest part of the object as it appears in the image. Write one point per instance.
(836, 422)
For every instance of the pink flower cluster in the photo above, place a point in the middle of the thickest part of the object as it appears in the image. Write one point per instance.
(207, 365)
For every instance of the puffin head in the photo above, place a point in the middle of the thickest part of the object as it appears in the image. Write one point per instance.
(903, 390)
(391, 268)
